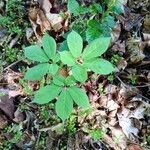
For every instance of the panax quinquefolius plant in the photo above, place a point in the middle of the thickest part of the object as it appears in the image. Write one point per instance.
(78, 60)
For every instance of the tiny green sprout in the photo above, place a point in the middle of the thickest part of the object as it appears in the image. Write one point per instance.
(83, 60)
(148, 139)
(132, 78)
(97, 134)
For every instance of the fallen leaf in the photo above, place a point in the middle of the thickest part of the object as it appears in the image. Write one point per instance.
(122, 64)
(129, 120)
(3, 121)
(7, 106)
(134, 147)
(45, 5)
(43, 20)
(134, 50)
(147, 23)
(119, 137)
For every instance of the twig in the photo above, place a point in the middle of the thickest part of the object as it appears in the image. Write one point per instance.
(37, 141)
(132, 87)
(53, 128)
(14, 63)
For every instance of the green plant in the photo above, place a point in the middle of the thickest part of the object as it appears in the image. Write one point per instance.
(61, 87)
(148, 139)
(71, 125)
(132, 78)
(15, 131)
(115, 59)
(6, 145)
(95, 20)
(46, 57)
(13, 18)
(25, 86)
(97, 134)
(88, 59)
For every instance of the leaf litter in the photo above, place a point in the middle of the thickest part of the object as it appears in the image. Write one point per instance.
(121, 107)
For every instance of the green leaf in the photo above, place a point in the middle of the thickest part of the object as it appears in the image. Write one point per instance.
(49, 46)
(101, 66)
(64, 46)
(93, 31)
(56, 58)
(64, 105)
(67, 58)
(75, 43)
(95, 8)
(108, 22)
(46, 94)
(37, 72)
(74, 7)
(35, 53)
(96, 48)
(97, 134)
(79, 96)
(59, 80)
(79, 73)
(53, 68)
(117, 8)
(70, 80)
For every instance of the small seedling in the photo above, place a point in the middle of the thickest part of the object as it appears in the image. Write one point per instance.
(148, 139)
(97, 134)
(66, 89)
(132, 78)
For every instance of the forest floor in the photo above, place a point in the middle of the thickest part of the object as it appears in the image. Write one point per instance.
(119, 118)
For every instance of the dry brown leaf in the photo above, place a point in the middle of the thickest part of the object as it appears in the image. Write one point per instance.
(112, 105)
(134, 50)
(39, 22)
(3, 121)
(42, 19)
(7, 106)
(147, 23)
(119, 137)
(129, 120)
(45, 5)
(110, 142)
(55, 20)
(134, 147)
(119, 46)
(18, 116)
(122, 64)
(116, 32)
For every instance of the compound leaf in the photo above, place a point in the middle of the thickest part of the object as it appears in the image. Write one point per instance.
(46, 94)
(37, 72)
(64, 105)
(49, 45)
(79, 96)
(35, 53)
(75, 43)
